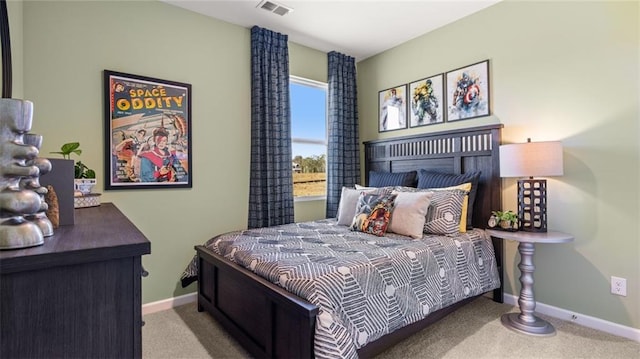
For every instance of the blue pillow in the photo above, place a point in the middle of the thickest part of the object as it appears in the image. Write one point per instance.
(388, 179)
(431, 179)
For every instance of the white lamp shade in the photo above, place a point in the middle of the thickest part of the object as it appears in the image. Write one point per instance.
(531, 159)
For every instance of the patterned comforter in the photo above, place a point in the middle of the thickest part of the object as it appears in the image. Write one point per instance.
(364, 286)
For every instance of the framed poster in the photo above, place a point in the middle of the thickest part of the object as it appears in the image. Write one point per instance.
(392, 106)
(147, 132)
(426, 101)
(468, 92)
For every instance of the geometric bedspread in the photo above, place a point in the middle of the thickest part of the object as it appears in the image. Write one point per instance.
(364, 286)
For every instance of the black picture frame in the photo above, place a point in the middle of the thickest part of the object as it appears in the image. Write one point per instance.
(426, 101)
(392, 109)
(468, 93)
(147, 125)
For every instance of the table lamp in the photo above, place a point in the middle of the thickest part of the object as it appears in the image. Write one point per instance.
(531, 159)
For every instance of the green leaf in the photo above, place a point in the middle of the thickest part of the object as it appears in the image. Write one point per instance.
(82, 171)
(67, 148)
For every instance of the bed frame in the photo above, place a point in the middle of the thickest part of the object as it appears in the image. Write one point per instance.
(271, 322)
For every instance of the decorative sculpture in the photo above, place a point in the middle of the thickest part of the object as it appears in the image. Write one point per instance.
(33, 183)
(17, 161)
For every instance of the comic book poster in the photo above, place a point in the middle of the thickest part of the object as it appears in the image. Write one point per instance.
(148, 125)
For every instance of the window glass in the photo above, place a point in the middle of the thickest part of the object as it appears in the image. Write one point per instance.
(308, 137)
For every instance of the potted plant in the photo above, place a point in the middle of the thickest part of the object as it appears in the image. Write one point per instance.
(85, 177)
(507, 220)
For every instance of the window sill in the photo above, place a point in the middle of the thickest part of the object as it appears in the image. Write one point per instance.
(309, 198)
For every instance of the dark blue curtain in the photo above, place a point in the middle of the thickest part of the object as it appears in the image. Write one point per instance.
(271, 182)
(343, 152)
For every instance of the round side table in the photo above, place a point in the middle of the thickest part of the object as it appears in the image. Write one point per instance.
(526, 321)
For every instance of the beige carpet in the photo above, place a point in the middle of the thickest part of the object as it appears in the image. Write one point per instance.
(473, 331)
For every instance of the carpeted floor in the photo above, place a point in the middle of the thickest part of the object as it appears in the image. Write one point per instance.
(473, 331)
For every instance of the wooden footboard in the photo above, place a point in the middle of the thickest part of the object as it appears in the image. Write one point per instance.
(270, 322)
(267, 320)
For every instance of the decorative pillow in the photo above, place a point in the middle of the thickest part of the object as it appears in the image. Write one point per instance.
(349, 202)
(373, 213)
(384, 179)
(409, 213)
(347, 206)
(443, 216)
(386, 189)
(431, 179)
(465, 204)
(361, 187)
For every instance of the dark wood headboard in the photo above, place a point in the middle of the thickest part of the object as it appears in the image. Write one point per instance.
(455, 151)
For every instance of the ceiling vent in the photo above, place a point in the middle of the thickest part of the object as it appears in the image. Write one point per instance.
(274, 7)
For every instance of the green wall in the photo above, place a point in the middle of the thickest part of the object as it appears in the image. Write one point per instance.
(563, 71)
(310, 64)
(66, 47)
(560, 71)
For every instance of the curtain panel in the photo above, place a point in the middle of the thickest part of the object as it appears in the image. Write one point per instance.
(343, 149)
(271, 181)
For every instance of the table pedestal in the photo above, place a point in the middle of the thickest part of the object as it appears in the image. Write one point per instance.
(525, 321)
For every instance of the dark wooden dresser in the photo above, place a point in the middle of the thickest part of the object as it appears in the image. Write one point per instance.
(78, 295)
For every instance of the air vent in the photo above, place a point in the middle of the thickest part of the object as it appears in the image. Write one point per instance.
(274, 7)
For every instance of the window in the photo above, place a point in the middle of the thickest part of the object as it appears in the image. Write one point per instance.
(308, 137)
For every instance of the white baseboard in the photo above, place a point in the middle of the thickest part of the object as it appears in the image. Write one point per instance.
(581, 319)
(169, 303)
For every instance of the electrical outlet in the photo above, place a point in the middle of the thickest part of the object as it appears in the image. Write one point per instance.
(618, 286)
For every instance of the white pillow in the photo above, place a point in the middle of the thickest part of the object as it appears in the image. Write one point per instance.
(349, 202)
(409, 213)
(347, 206)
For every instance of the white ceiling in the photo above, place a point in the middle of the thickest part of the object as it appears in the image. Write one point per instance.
(357, 28)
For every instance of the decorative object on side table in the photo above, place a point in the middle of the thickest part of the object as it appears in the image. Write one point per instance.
(526, 321)
(504, 220)
(84, 178)
(527, 160)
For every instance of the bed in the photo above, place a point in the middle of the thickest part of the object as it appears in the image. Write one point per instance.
(249, 289)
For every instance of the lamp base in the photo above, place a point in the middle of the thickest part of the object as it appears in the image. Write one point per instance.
(532, 205)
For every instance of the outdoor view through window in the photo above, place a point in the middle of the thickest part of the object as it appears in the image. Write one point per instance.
(308, 137)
